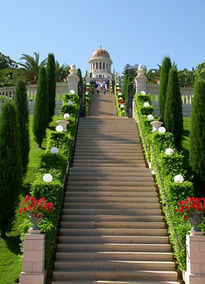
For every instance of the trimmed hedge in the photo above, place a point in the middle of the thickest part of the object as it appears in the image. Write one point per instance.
(88, 92)
(54, 164)
(118, 90)
(155, 145)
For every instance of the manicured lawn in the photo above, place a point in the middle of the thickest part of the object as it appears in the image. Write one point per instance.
(185, 143)
(10, 255)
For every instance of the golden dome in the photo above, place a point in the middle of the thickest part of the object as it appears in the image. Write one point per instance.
(100, 52)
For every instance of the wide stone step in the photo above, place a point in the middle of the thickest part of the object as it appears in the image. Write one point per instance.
(114, 170)
(113, 247)
(108, 151)
(106, 159)
(118, 155)
(114, 264)
(123, 256)
(106, 164)
(111, 178)
(95, 187)
(110, 174)
(111, 183)
(114, 239)
(110, 194)
(109, 199)
(113, 231)
(110, 224)
(109, 205)
(98, 146)
(114, 218)
(116, 275)
(112, 282)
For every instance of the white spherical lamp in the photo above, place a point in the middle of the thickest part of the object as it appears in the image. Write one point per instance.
(169, 151)
(66, 115)
(47, 178)
(146, 104)
(122, 106)
(72, 92)
(150, 117)
(162, 129)
(54, 150)
(143, 93)
(59, 128)
(70, 103)
(179, 179)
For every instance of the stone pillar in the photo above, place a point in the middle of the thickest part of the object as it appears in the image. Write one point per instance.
(73, 79)
(140, 80)
(33, 258)
(195, 247)
(117, 78)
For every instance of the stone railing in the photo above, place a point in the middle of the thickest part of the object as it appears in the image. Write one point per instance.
(7, 93)
(186, 93)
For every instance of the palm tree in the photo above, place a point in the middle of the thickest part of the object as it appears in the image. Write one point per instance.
(31, 66)
(62, 71)
(153, 75)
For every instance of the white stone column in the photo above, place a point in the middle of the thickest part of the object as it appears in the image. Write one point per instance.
(33, 259)
(73, 79)
(140, 80)
(195, 246)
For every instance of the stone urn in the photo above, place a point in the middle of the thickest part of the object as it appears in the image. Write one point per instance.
(195, 218)
(35, 221)
(63, 123)
(156, 124)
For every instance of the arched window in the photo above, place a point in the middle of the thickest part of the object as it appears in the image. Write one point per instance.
(100, 65)
(107, 66)
(103, 65)
(96, 65)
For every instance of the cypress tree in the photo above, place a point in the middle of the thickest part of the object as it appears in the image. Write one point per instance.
(164, 74)
(51, 84)
(125, 89)
(80, 83)
(23, 120)
(173, 117)
(10, 166)
(197, 136)
(41, 110)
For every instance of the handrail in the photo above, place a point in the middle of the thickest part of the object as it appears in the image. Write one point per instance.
(71, 146)
(161, 180)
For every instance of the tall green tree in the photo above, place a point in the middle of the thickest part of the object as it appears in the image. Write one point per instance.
(126, 83)
(173, 117)
(51, 84)
(23, 120)
(31, 66)
(41, 110)
(10, 166)
(164, 74)
(197, 136)
(62, 71)
(80, 83)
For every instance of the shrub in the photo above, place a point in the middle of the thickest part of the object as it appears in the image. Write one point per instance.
(197, 136)
(51, 85)
(10, 166)
(41, 111)
(166, 167)
(23, 120)
(173, 116)
(166, 65)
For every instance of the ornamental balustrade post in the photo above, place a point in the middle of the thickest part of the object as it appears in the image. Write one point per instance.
(33, 258)
(140, 80)
(195, 246)
(73, 79)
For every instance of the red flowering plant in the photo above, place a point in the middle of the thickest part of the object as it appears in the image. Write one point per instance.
(36, 207)
(191, 204)
(121, 102)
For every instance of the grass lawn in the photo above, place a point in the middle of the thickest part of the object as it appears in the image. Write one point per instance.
(185, 143)
(10, 255)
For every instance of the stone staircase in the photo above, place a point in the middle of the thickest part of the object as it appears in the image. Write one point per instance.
(112, 228)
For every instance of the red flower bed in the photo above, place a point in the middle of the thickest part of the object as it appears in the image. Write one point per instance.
(190, 204)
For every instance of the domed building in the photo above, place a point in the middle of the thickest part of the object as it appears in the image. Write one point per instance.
(100, 65)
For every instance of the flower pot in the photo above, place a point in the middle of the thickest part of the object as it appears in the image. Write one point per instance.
(35, 221)
(156, 125)
(63, 123)
(195, 218)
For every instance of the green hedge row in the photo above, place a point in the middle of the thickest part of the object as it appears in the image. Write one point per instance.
(166, 167)
(88, 92)
(54, 164)
(118, 94)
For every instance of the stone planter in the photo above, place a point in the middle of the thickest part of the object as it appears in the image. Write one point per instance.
(63, 123)
(156, 124)
(35, 221)
(196, 218)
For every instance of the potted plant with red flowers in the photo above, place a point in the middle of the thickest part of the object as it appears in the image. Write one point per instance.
(193, 209)
(36, 209)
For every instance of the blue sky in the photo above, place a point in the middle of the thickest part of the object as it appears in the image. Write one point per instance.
(133, 31)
